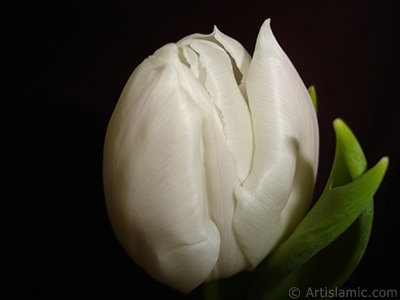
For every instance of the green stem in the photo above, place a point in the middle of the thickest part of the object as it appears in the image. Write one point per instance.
(211, 290)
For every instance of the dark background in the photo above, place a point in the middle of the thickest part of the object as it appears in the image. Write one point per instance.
(68, 62)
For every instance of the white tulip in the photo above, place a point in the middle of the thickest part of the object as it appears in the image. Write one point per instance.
(210, 157)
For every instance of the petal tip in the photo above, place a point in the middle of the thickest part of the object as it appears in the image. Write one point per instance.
(217, 34)
(265, 35)
(266, 26)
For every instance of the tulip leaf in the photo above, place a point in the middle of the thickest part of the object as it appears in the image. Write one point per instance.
(329, 242)
(313, 94)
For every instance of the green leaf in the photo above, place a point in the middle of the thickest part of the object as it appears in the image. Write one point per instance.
(313, 94)
(329, 242)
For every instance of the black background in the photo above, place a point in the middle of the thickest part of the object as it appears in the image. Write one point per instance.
(66, 64)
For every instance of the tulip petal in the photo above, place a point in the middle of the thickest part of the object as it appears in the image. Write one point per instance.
(240, 57)
(161, 222)
(277, 193)
(226, 62)
(221, 84)
(220, 173)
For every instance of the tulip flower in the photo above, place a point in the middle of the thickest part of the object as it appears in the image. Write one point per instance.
(210, 158)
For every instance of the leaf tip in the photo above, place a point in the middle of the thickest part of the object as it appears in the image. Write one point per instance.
(384, 162)
(313, 95)
(338, 123)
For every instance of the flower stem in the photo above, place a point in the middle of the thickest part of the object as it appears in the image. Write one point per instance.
(211, 290)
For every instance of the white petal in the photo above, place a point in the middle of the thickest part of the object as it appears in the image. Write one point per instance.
(225, 63)
(153, 177)
(220, 178)
(240, 57)
(221, 84)
(220, 174)
(278, 190)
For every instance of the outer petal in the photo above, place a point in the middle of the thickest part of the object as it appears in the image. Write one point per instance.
(153, 178)
(278, 190)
